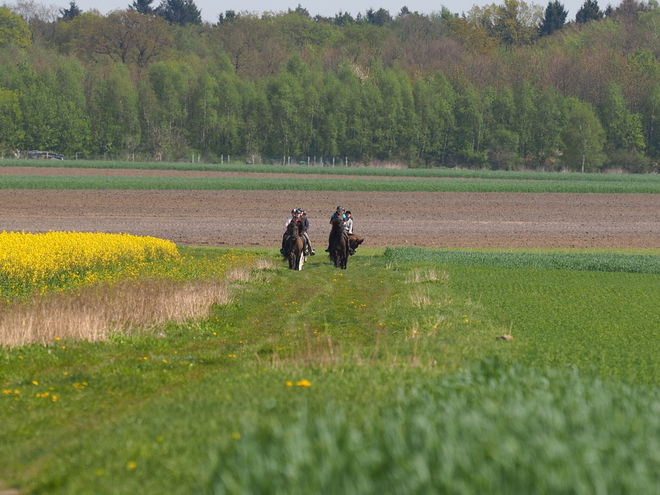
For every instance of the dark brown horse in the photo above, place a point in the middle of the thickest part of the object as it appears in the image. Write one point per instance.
(338, 243)
(295, 247)
(354, 243)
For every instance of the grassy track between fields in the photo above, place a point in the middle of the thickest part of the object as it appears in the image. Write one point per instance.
(383, 378)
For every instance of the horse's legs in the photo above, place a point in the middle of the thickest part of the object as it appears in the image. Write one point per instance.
(285, 243)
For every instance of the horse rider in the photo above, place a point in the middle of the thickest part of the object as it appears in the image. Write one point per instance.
(348, 226)
(295, 217)
(308, 245)
(339, 213)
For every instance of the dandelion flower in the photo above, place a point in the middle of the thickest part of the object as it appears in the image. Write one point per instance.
(304, 383)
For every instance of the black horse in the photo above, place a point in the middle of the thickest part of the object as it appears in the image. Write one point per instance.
(295, 247)
(338, 243)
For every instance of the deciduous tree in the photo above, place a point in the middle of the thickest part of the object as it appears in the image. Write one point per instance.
(584, 138)
(127, 36)
(13, 29)
(11, 122)
(622, 127)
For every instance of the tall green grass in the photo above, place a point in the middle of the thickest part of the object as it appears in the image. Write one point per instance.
(486, 430)
(582, 261)
(383, 378)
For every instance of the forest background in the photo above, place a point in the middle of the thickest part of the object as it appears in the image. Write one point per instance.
(505, 86)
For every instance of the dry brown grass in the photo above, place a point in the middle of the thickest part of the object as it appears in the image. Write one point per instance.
(94, 312)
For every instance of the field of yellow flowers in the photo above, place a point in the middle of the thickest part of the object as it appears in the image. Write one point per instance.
(53, 261)
(85, 286)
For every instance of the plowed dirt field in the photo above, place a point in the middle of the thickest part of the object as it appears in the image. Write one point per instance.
(256, 218)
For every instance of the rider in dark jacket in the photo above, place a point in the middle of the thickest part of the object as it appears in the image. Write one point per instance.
(295, 214)
(340, 213)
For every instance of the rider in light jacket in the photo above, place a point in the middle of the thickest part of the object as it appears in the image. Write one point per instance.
(308, 244)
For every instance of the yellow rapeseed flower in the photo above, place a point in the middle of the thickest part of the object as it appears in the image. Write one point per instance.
(50, 261)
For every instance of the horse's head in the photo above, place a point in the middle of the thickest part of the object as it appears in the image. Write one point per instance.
(292, 227)
(337, 224)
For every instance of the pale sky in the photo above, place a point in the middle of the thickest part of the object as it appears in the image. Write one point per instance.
(211, 8)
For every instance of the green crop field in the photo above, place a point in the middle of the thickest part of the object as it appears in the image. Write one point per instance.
(383, 378)
(321, 179)
(326, 184)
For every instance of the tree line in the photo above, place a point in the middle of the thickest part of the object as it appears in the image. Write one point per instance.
(501, 86)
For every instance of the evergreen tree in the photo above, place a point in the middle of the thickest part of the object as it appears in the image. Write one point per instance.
(70, 13)
(343, 18)
(142, 6)
(379, 17)
(588, 12)
(228, 16)
(555, 18)
(180, 12)
(300, 10)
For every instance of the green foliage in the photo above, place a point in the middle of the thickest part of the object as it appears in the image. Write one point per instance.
(11, 131)
(179, 12)
(384, 377)
(13, 29)
(291, 85)
(554, 19)
(589, 11)
(601, 262)
(584, 138)
(71, 13)
(622, 127)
